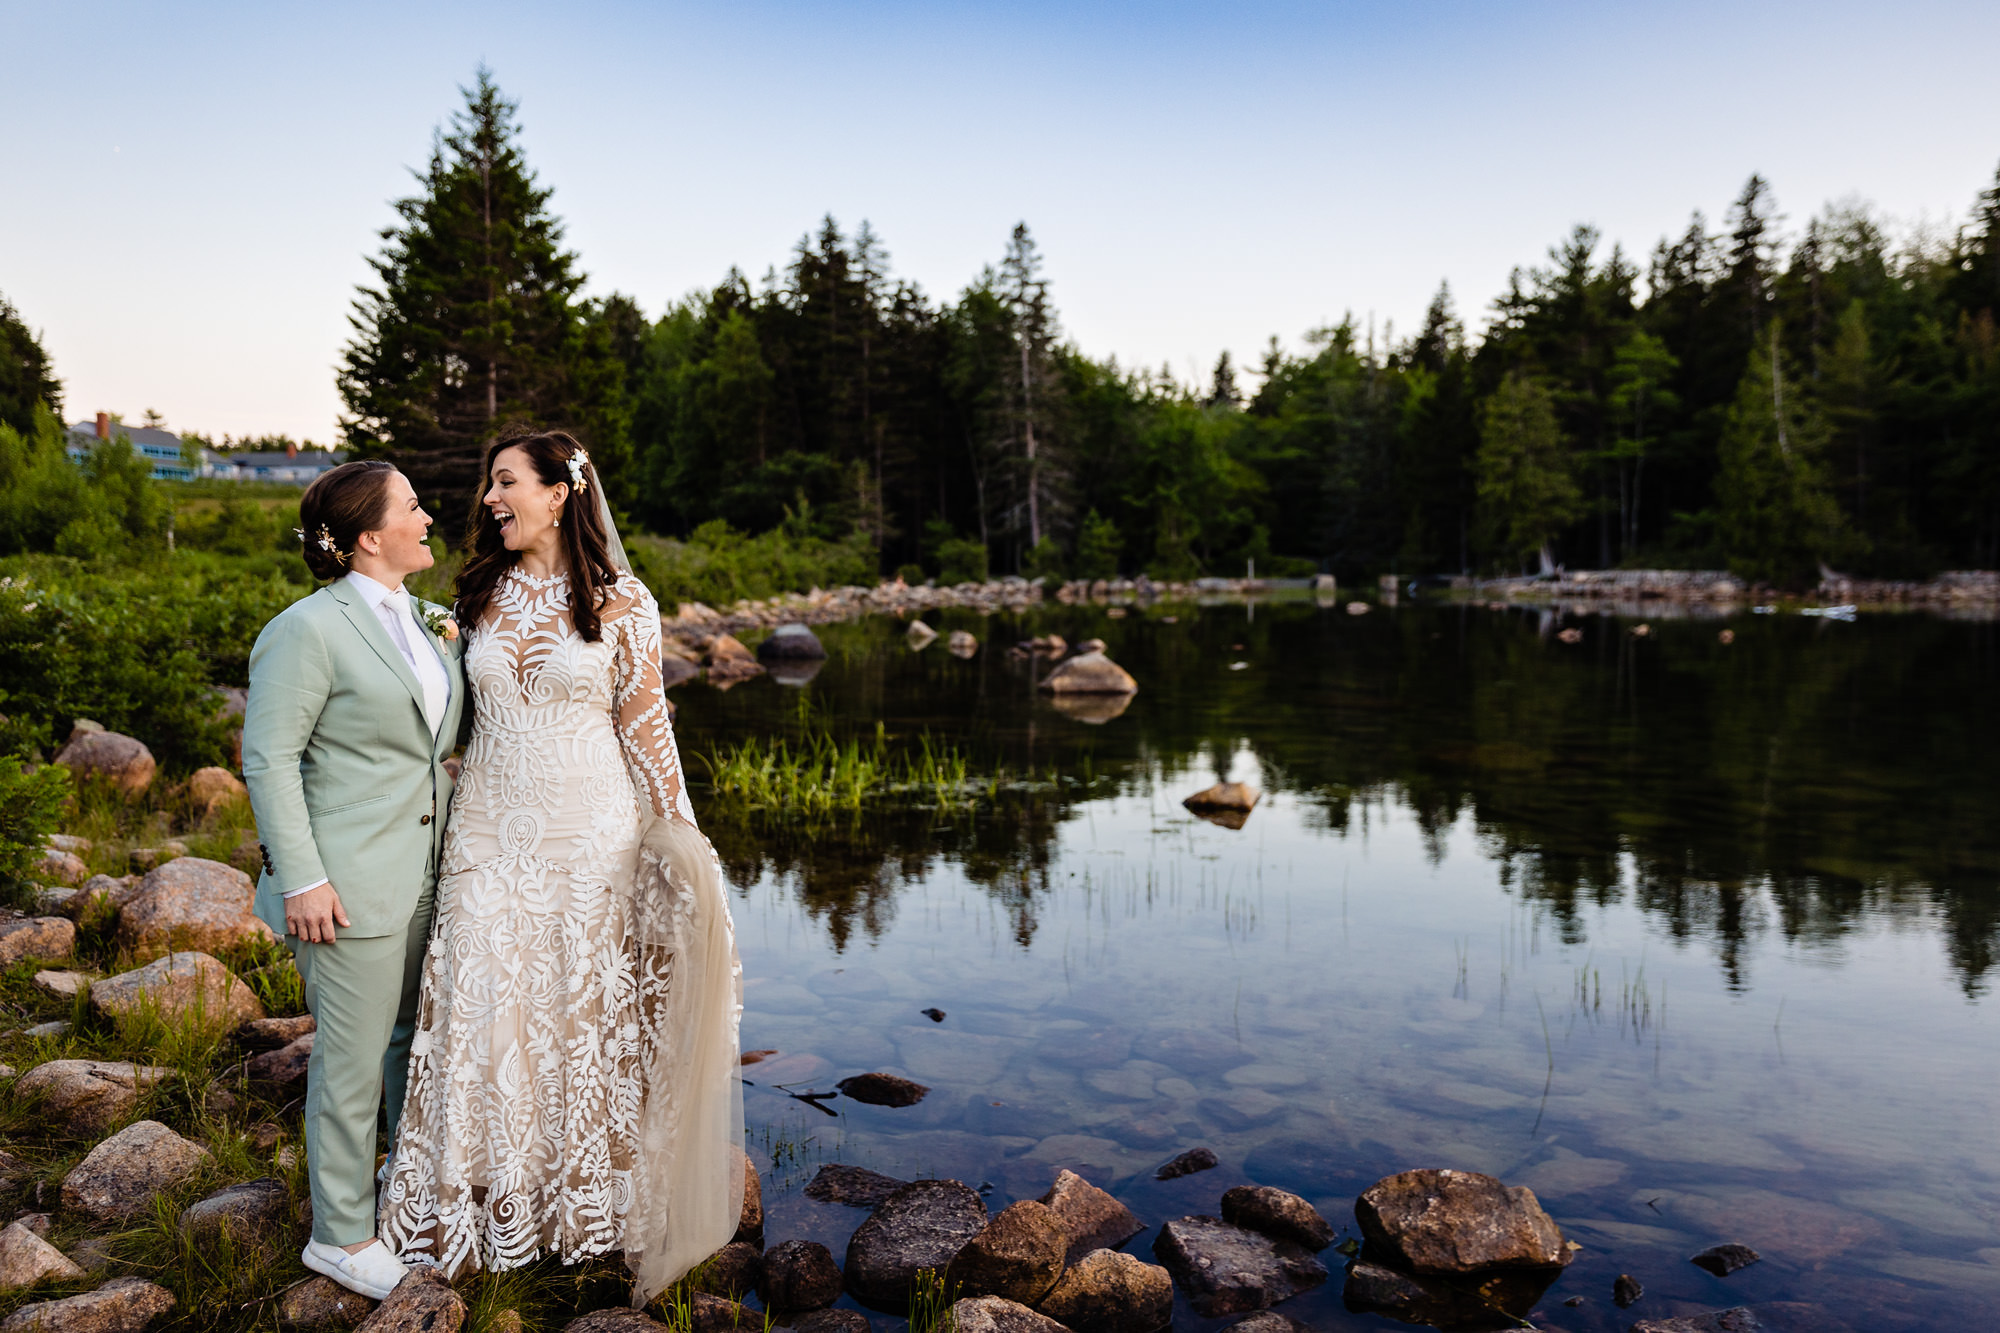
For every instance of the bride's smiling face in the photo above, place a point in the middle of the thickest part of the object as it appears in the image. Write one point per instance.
(525, 507)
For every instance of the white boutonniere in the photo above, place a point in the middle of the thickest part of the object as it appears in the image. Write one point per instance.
(438, 622)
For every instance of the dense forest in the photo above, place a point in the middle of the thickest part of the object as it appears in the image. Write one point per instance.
(1772, 401)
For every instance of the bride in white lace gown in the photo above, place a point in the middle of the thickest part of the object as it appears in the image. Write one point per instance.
(573, 1084)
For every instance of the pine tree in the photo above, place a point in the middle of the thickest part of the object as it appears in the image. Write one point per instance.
(476, 323)
(26, 379)
(1032, 380)
(1778, 518)
(1640, 404)
(1222, 391)
(1527, 487)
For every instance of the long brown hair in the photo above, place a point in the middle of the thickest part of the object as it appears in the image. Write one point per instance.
(585, 544)
(337, 508)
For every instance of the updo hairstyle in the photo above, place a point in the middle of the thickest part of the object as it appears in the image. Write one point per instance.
(338, 507)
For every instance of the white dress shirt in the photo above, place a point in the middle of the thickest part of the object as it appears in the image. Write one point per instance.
(393, 609)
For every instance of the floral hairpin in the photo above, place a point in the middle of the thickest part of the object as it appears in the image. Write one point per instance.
(326, 542)
(577, 461)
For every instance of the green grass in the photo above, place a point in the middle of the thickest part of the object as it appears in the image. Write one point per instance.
(817, 776)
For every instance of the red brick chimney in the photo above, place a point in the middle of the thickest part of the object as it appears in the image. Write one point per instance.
(103, 425)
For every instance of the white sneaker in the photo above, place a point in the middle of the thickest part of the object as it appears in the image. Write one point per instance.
(374, 1272)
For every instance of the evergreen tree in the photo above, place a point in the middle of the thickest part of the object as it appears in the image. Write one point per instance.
(1778, 519)
(1640, 401)
(1527, 486)
(26, 378)
(1097, 548)
(475, 324)
(1032, 382)
(1222, 390)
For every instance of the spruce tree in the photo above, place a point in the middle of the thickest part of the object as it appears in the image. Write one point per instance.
(475, 324)
(25, 377)
(1527, 487)
(1778, 518)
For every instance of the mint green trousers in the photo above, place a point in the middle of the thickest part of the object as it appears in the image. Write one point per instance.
(363, 995)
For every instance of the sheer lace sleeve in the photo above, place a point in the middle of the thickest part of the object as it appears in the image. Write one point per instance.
(645, 733)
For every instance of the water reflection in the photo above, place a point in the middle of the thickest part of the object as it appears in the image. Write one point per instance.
(1799, 780)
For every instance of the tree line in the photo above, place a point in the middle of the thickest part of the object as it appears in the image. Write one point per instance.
(1773, 401)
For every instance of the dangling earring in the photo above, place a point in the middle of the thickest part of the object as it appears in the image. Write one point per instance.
(558, 520)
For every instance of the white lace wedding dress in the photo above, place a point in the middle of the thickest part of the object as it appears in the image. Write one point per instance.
(572, 1077)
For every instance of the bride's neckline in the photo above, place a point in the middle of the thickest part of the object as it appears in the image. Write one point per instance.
(532, 581)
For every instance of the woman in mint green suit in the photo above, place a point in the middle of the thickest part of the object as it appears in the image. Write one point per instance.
(356, 696)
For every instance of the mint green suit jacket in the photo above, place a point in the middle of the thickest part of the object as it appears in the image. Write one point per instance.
(345, 779)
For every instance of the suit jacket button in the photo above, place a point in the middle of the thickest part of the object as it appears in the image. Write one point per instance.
(425, 820)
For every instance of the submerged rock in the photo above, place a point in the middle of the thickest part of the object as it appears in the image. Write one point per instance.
(1227, 1270)
(1626, 1291)
(1444, 1300)
(1235, 796)
(961, 644)
(1189, 1162)
(882, 1090)
(1765, 1317)
(855, 1186)
(1722, 1260)
(1090, 673)
(922, 1225)
(1432, 1221)
(920, 636)
(1109, 1292)
(1018, 1254)
(1093, 710)
(1093, 1219)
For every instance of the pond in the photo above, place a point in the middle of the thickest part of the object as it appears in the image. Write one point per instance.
(1696, 939)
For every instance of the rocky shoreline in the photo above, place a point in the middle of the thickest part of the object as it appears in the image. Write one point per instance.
(1718, 589)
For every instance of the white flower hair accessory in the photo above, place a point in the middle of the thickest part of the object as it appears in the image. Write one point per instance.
(326, 542)
(577, 461)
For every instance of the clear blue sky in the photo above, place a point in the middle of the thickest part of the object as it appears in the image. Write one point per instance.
(191, 190)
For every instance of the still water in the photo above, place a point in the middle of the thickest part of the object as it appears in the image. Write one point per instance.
(1695, 939)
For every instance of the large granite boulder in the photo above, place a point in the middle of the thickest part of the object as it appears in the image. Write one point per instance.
(24, 937)
(122, 1305)
(320, 1302)
(57, 866)
(729, 661)
(423, 1302)
(284, 1070)
(799, 1275)
(92, 752)
(190, 903)
(179, 986)
(251, 1214)
(1227, 1270)
(922, 1225)
(1109, 1292)
(119, 1178)
(997, 1314)
(1018, 1254)
(1090, 673)
(1277, 1214)
(1430, 1221)
(731, 1272)
(713, 1314)
(90, 1095)
(210, 789)
(1093, 1219)
(25, 1259)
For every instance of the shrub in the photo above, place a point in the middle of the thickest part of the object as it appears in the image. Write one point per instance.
(139, 649)
(961, 560)
(31, 806)
(719, 565)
